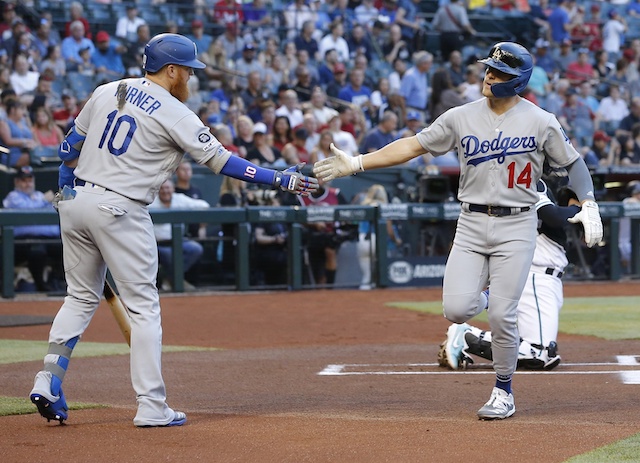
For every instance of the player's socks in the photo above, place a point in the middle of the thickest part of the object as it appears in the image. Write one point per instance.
(504, 382)
(331, 276)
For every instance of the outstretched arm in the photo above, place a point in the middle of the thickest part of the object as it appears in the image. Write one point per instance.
(393, 154)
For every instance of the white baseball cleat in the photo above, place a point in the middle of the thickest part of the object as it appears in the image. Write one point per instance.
(454, 344)
(500, 406)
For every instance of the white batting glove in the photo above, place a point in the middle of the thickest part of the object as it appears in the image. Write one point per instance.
(338, 165)
(589, 215)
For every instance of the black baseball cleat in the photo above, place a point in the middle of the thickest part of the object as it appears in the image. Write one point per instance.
(56, 411)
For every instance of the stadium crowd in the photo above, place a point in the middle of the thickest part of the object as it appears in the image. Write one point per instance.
(284, 79)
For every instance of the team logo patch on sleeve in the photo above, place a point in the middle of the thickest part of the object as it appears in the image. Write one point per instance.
(204, 137)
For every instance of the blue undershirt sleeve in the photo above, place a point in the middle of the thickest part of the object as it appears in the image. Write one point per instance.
(242, 169)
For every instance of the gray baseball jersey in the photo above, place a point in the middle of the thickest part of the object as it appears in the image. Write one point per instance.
(501, 156)
(132, 151)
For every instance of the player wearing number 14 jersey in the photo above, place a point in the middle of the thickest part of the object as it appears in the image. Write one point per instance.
(502, 141)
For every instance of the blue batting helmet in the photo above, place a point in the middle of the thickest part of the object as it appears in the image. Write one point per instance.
(513, 59)
(166, 49)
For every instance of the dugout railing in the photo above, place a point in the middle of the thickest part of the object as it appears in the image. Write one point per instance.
(295, 219)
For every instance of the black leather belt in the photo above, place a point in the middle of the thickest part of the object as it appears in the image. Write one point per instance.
(554, 272)
(497, 211)
(79, 182)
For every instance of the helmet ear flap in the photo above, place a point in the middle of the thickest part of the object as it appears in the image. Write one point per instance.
(513, 59)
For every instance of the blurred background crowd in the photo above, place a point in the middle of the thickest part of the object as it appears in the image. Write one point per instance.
(285, 79)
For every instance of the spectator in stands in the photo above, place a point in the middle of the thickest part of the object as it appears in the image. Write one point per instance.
(412, 24)
(443, 95)
(282, 133)
(560, 21)
(306, 41)
(227, 12)
(342, 139)
(380, 135)
(359, 43)
(586, 95)
(231, 41)
(76, 13)
(380, 99)
(452, 22)
(310, 123)
(304, 83)
(16, 135)
(612, 110)
(72, 45)
(53, 61)
(415, 124)
(248, 63)
(244, 135)
(395, 47)
(107, 58)
(340, 11)
(587, 32)
(262, 153)
(269, 51)
(335, 40)
(630, 153)
(564, 55)
(290, 108)
(43, 38)
(471, 89)
(603, 149)
(127, 25)
(395, 77)
(42, 95)
(295, 15)
(295, 151)
(319, 107)
(414, 87)
(322, 150)
(65, 116)
(581, 70)
(455, 68)
(23, 79)
(613, 35)
(544, 58)
(218, 65)
(539, 84)
(290, 57)
(321, 241)
(361, 62)
(258, 21)
(357, 93)
(46, 132)
(576, 118)
(199, 37)
(387, 12)
(539, 16)
(271, 246)
(25, 196)
(8, 16)
(327, 67)
(304, 61)
(132, 59)
(86, 66)
(183, 185)
(275, 75)
(366, 14)
(21, 41)
(191, 250)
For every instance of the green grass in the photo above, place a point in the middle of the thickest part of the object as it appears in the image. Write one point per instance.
(611, 318)
(16, 351)
(625, 450)
(23, 406)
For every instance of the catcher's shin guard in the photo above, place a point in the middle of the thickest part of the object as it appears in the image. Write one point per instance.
(477, 345)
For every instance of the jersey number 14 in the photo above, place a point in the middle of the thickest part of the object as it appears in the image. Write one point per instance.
(524, 177)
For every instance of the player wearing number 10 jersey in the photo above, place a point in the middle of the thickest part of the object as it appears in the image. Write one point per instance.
(128, 139)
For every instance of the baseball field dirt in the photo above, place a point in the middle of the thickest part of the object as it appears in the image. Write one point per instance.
(322, 376)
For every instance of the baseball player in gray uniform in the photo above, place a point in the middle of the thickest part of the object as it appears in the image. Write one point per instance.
(127, 140)
(540, 302)
(502, 141)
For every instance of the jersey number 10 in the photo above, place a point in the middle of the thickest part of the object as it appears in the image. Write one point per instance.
(121, 123)
(524, 178)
